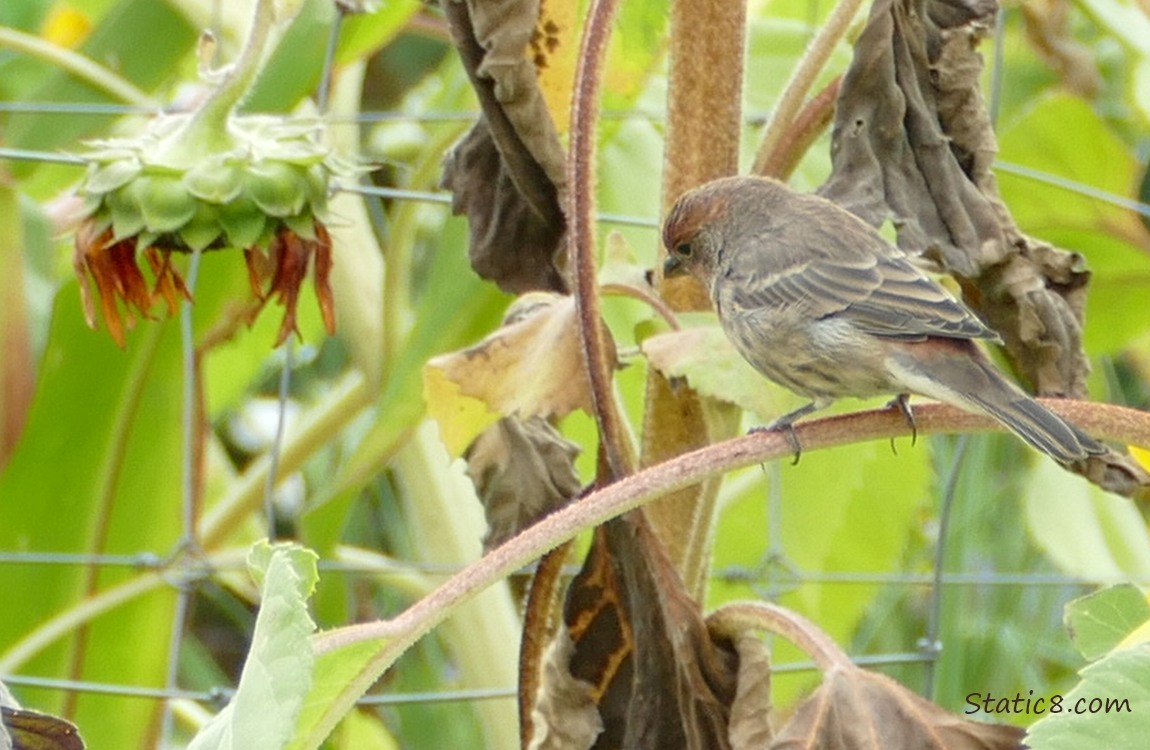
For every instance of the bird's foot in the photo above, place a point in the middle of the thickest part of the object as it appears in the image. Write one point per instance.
(786, 425)
(902, 403)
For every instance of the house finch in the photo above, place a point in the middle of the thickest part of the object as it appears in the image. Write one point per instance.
(815, 299)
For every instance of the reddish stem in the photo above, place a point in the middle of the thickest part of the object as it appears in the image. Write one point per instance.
(580, 211)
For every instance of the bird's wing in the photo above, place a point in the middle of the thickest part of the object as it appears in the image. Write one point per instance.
(884, 295)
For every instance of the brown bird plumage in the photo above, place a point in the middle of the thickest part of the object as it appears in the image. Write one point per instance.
(815, 299)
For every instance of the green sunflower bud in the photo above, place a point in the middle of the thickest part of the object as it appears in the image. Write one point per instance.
(277, 188)
(217, 181)
(265, 185)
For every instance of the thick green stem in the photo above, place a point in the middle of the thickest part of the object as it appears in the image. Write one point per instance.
(207, 129)
(446, 524)
(78, 65)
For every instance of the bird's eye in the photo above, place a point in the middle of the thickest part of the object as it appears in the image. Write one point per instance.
(683, 249)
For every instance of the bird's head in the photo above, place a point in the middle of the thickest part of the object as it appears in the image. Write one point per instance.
(697, 228)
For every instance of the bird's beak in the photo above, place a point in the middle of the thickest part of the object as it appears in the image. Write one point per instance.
(673, 267)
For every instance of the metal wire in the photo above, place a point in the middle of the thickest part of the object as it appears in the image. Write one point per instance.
(931, 644)
(188, 481)
(1037, 175)
(725, 574)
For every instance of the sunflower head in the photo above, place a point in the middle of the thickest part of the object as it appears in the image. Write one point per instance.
(262, 188)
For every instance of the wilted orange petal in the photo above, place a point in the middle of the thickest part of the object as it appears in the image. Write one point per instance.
(129, 280)
(290, 253)
(169, 284)
(257, 267)
(287, 257)
(98, 260)
(322, 271)
(86, 235)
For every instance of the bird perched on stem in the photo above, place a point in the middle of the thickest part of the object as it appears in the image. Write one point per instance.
(816, 300)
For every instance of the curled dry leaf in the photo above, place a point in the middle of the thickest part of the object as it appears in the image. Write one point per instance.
(640, 644)
(531, 366)
(522, 470)
(31, 730)
(750, 727)
(913, 143)
(507, 174)
(565, 714)
(1118, 473)
(863, 710)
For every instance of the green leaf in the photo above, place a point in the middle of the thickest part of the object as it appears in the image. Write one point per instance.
(96, 472)
(1098, 622)
(302, 224)
(1087, 532)
(278, 672)
(360, 730)
(707, 359)
(277, 188)
(215, 181)
(127, 216)
(202, 229)
(243, 222)
(318, 179)
(107, 177)
(332, 693)
(1109, 708)
(1063, 215)
(164, 202)
(363, 34)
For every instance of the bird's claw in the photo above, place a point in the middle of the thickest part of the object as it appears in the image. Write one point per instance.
(788, 429)
(902, 403)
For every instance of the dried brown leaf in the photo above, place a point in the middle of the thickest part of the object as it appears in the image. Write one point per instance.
(565, 715)
(507, 174)
(31, 730)
(522, 470)
(863, 710)
(658, 678)
(913, 143)
(750, 727)
(596, 621)
(531, 366)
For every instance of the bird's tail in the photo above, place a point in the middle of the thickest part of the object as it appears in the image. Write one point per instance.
(1040, 427)
(974, 383)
